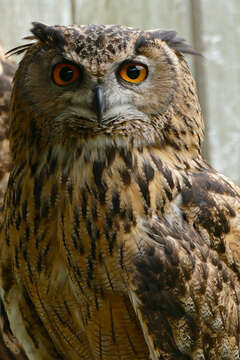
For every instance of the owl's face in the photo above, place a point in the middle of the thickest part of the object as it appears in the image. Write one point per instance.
(86, 80)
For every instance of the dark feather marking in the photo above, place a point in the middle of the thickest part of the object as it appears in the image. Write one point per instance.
(36, 223)
(30, 272)
(7, 277)
(109, 221)
(127, 157)
(16, 258)
(70, 190)
(25, 255)
(37, 190)
(131, 217)
(148, 171)
(6, 325)
(65, 176)
(21, 241)
(204, 270)
(89, 228)
(100, 342)
(18, 220)
(84, 204)
(7, 237)
(34, 135)
(163, 170)
(224, 222)
(168, 193)
(15, 174)
(94, 211)
(110, 154)
(112, 242)
(112, 324)
(93, 248)
(77, 241)
(64, 238)
(53, 194)
(38, 238)
(108, 276)
(65, 160)
(65, 324)
(44, 208)
(186, 181)
(131, 344)
(77, 271)
(115, 202)
(17, 194)
(39, 262)
(24, 210)
(219, 283)
(89, 272)
(121, 256)
(78, 151)
(168, 176)
(98, 167)
(127, 227)
(76, 218)
(231, 211)
(46, 250)
(126, 177)
(143, 186)
(52, 159)
(102, 193)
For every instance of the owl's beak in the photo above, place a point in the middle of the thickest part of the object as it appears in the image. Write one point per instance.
(98, 103)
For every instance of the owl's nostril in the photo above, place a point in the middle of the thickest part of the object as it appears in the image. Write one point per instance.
(98, 102)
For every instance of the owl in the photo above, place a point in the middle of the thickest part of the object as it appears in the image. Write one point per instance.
(118, 240)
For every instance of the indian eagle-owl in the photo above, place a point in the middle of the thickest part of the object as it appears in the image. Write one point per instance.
(118, 241)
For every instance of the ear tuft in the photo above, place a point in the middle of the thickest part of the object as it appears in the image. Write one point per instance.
(170, 37)
(40, 31)
(48, 34)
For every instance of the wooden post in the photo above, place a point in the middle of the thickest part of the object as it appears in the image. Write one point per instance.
(199, 68)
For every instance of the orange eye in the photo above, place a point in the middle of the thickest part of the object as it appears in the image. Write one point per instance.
(65, 74)
(134, 72)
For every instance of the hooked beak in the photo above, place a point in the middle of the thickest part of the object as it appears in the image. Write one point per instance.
(98, 103)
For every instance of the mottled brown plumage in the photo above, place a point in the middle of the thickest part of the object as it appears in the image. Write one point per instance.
(118, 241)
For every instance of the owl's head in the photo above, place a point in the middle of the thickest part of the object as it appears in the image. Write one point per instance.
(80, 82)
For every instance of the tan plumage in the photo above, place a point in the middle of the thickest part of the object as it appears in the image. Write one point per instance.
(118, 241)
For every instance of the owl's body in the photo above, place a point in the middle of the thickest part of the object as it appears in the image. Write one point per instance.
(118, 240)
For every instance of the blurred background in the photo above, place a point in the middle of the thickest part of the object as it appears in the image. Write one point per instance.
(212, 27)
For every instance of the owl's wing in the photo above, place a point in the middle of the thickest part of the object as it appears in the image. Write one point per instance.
(7, 71)
(211, 205)
(184, 292)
